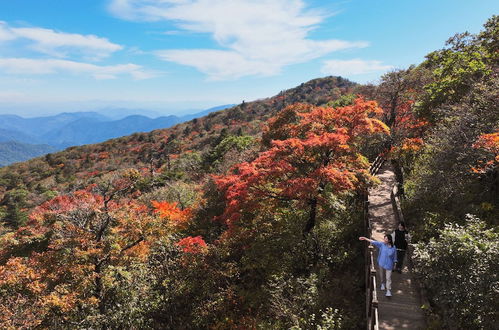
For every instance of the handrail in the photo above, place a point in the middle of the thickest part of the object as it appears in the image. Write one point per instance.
(372, 301)
(376, 165)
(394, 196)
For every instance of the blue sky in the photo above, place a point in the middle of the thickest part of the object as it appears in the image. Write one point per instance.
(174, 56)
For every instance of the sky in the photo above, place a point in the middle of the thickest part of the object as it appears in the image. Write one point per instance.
(177, 56)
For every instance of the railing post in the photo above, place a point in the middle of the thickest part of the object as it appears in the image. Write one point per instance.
(374, 300)
(376, 165)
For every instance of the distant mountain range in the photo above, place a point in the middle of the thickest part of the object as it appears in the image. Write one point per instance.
(13, 135)
(25, 138)
(13, 152)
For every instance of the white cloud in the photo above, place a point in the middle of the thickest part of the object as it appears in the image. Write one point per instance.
(218, 64)
(51, 66)
(258, 37)
(142, 10)
(353, 67)
(5, 33)
(59, 44)
(171, 33)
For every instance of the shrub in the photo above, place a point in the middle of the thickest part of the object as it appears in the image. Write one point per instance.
(460, 269)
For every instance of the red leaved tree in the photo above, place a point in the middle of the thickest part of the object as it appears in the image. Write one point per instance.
(61, 266)
(489, 144)
(311, 148)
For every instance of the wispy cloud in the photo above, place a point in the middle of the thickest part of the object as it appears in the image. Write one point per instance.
(5, 33)
(60, 44)
(254, 37)
(219, 64)
(171, 33)
(68, 52)
(52, 66)
(353, 67)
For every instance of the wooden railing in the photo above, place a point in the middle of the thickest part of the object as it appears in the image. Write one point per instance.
(371, 295)
(394, 196)
(376, 165)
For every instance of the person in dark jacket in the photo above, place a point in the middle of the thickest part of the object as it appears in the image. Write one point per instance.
(400, 242)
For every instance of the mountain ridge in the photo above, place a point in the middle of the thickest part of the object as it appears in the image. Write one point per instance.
(142, 150)
(78, 128)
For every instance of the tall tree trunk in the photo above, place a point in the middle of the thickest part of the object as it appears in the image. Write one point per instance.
(393, 111)
(98, 288)
(311, 216)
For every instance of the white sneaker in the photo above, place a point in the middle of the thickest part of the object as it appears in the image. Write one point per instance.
(382, 286)
(388, 293)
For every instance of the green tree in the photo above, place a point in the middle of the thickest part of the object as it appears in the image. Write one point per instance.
(230, 142)
(467, 60)
(442, 184)
(15, 208)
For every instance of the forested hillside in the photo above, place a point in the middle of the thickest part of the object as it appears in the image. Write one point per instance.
(12, 151)
(249, 217)
(198, 141)
(157, 245)
(74, 129)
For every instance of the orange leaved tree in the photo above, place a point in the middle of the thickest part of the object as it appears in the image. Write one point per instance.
(489, 144)
(311, 149)
(64, 267)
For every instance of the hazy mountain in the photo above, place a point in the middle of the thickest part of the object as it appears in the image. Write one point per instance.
(12, 135)
(78, 128)
(235, 120)
(206, 112)
(87, 131)
(12, 151)
(120, 113)
(39, 126)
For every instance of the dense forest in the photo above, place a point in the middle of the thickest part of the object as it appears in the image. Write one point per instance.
(249, 217)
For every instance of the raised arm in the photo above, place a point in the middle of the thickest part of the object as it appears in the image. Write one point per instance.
(362, 238)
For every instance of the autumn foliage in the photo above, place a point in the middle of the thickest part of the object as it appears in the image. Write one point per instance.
(248, 217)
(489, 143)
(315, 148)
(71, 244)
(408, 130)
(170, 211)
(192, 244)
